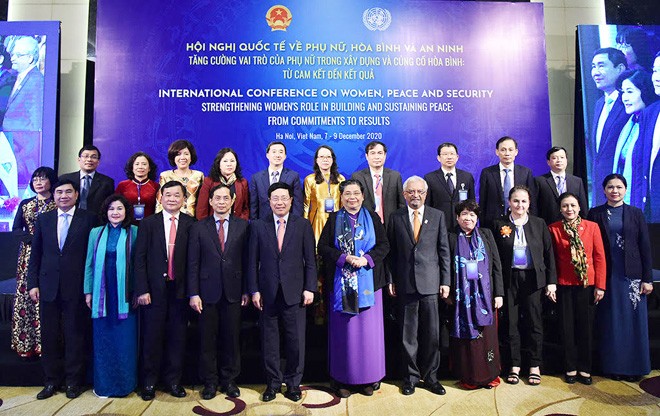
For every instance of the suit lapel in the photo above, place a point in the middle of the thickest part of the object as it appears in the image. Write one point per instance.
(443, 181)
(288, 233)
(160, 234)
(495, 173)
(551, 183)
(408, 226)
(75, 224)
(370, 185)
(213, 232)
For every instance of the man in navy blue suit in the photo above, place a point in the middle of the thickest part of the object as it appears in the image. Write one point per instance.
(55, 279)
(276, 172)
(217, 253)
(282, 281)
(609, 117)
(497, 180)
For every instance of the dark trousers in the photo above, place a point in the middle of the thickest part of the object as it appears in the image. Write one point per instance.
(67, 321)
(523, 299)
(292, 319)
(164, 339)
(576, 314)
(222, 318)
(420, 335)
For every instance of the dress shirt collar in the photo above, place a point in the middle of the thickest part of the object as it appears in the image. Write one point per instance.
(377, 172)
(502, 167)
(217, 217)
(70, 212)
(276, 218)
(279, 172)
(445, 172)
(420, 211)
(83, 174)
(167, 216)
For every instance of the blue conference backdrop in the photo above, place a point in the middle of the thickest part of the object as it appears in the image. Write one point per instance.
(242, 74)
(29, 70)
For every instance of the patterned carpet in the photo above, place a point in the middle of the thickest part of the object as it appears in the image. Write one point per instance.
(553, 397)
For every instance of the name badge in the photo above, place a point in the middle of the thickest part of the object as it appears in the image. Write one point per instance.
(471, 269)
(329, 204)
(462, 195)
(138, 211)
(519, 256)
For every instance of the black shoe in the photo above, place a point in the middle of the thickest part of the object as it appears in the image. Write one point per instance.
(209, 391)
(148, 393)
(368, 390)
(436, 388)
(408, 388)
(376, 386)
(73, 391)
(343, 392)
(570, 379)
(293, 393)
(231, 389)
(177, 391)
(632, 379)
(586, 380)
(270, 394)
(46, 392)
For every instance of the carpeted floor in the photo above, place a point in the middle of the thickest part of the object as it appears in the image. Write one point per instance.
(553, 397)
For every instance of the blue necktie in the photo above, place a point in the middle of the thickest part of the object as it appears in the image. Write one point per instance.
(64, 229)
(507, 188)
(87, 182)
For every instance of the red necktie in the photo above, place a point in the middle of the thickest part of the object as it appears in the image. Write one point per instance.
(221, 235)
(379, 194)
(170, 249)
(280, 233)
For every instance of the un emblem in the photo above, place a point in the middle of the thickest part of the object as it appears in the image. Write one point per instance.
(377, 18)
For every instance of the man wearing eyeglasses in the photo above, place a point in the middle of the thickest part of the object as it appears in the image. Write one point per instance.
(282, 279)
(24, 108)
(448, 185)
(419, 261)
(95, 187)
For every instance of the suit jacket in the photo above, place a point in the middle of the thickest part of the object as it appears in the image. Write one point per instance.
(639, 186)
(418, 266)
(213, 273)
(259, 184)
(151, 257)
(637, 260)
(25, 105)
(102, 187)
(294, 268)
(241, 203)
(56, 271)
(494, 265)
(439, 196)
(548, 197)
(330, 254)
(491, 194)
(392, 191)
(539, 244)
(593, 246)
(603, 159)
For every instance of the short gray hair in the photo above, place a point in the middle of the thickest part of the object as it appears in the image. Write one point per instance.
(415, 178)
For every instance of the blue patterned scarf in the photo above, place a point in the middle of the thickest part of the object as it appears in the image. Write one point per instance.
(353, 288)
(474, 304)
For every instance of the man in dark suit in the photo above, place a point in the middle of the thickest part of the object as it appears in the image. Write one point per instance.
(419, 260)
(554, 183)
(25, 104)
(94, 187)
(383, 187)
(645, 184)
(282, 281)
(276, 172)
(55, 279)
(448, 185)
(160, 283)
(609, 118)
(496, 181)
(217, 251)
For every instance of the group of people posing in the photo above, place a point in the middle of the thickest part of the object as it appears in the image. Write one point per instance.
(216, 244)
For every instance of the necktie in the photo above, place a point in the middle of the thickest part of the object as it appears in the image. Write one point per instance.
(221, 234)
(450, 183)
(561, 185)
(274, 177)
(379, 197)
(64, 229)
(87, 182)
(281, 227)
(170, 249)
(507, 188)
(416, 225)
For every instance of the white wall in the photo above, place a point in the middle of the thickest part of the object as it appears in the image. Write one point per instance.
(561, 18)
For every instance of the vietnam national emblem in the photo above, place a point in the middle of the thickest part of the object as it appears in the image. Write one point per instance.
(278, 17)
